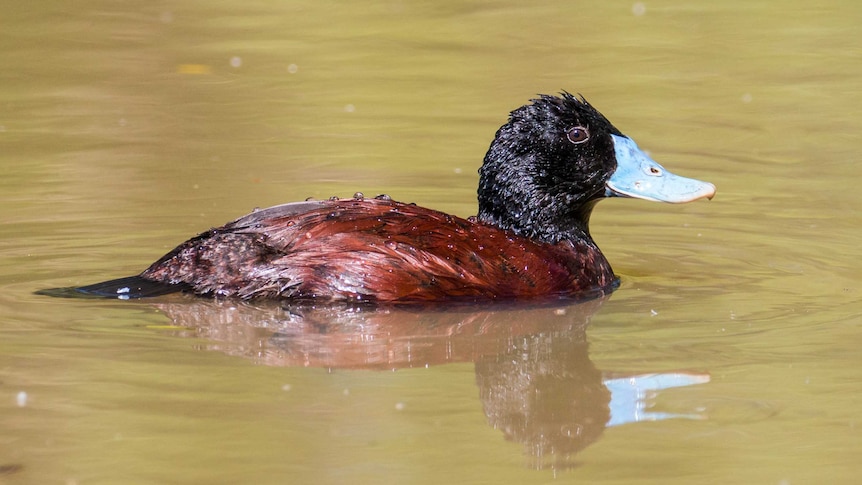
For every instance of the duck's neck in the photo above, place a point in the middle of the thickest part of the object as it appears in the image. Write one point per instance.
(549, 225)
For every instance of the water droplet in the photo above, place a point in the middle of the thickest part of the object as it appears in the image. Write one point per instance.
(391, 244)
(359, 196)
(383, 197)
(334, 198)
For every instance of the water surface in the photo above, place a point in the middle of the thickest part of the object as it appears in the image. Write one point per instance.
(730, 354)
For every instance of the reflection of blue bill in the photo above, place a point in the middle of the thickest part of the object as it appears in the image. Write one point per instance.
(630, 396)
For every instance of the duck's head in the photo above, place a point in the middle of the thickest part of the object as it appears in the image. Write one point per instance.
(555, 158)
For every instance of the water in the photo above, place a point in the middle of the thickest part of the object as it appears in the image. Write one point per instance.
(728, 355)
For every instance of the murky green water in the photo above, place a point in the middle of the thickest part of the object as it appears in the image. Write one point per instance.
(126, 129)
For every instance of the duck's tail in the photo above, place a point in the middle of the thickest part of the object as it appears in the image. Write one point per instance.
(121, 289)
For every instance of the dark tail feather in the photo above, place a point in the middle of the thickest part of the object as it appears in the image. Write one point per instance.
(122, 289)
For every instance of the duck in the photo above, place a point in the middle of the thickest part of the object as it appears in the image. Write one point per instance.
(545, 170)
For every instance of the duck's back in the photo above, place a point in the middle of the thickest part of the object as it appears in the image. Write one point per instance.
(378, 250)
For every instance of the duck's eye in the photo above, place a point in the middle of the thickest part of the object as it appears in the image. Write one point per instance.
(578, 134)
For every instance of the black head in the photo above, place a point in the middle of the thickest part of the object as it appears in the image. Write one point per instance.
(546, 168)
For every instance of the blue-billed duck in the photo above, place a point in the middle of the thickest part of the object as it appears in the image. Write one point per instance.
(545, 170)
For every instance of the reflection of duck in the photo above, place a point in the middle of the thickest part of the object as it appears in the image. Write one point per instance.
(350, 336)
(542, 175)
(545, 393)
(536, 382)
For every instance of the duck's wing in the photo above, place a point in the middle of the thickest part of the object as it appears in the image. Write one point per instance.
(258, 216)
